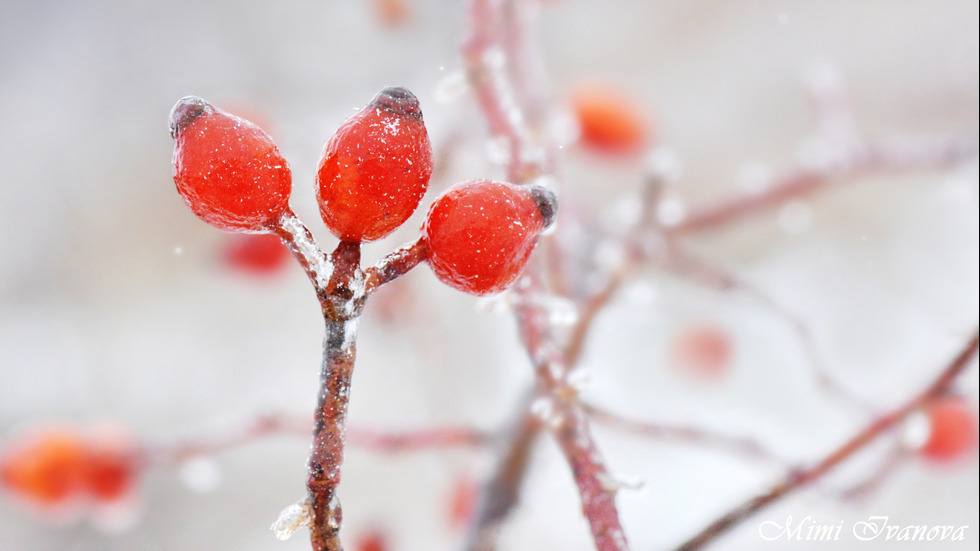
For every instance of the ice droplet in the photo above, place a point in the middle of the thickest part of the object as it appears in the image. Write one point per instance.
(494, 304)
(580, 379)
(664, 164)
(498, 150)
(561, 311)
(201, 474)
(915, 431)
(451, 87)
(795, 217)
(542, 408)
(291, 519)
(754, 177)
(671, 211)
(613, 484)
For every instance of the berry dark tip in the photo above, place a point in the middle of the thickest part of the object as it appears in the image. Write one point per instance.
(400, 101)
(185, 111)
(547, 203)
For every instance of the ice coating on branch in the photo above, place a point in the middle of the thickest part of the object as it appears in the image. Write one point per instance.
(292, 518)
(451, 86)
(308, 248)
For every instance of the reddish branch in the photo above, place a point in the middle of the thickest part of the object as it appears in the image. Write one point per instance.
(878, 427)
(865, 160)
(501, 492)
(686, 434)
(491, 50)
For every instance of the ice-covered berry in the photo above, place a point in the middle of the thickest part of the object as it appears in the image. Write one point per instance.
(480, 233)
(228, 170)
(375, 169)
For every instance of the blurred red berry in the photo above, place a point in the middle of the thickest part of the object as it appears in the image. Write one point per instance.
(261, 253)
(392, 13)
(55, 465)
(953, 427)
(462, 501)
(702, 349)
(480, 233)
(375, 169)
(229, 171)
(46, 467)
(374, 540)
(608, 121)
(111, 467)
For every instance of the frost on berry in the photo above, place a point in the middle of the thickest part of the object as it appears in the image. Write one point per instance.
(481, 233)
(228, 170)
(375, 168)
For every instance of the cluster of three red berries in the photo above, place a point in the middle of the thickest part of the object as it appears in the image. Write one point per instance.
(371, 177)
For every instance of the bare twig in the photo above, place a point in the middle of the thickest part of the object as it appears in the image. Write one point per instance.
(746, 447)
(879, 426)
(500, 493)
(396, 264)
(860, 161)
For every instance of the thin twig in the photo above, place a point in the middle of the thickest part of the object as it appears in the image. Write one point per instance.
(500, 493)
(860, 161)
(746, 447)
(856, 443)
(396, 264)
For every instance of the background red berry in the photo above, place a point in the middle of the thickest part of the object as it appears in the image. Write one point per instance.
(375, 169)
(260, 254)
(608, 120)
(953, 429)
(703, 350)
(481, 233)
(229, 171)
(46, 467)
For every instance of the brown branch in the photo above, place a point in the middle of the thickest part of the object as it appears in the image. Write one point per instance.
(861, 161)
(396, 264)
(856, 443)
(501, 492)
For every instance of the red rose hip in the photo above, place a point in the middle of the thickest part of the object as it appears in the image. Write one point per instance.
(228, 170)
(480, 233)
(375, 169)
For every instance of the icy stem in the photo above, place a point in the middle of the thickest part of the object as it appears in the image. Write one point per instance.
(292, 518)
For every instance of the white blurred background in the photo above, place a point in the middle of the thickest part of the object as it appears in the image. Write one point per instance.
(114, 306)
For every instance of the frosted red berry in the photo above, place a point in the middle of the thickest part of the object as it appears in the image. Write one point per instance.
(480, 233)
(228, 170)
(953, 430)
(375, 169)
